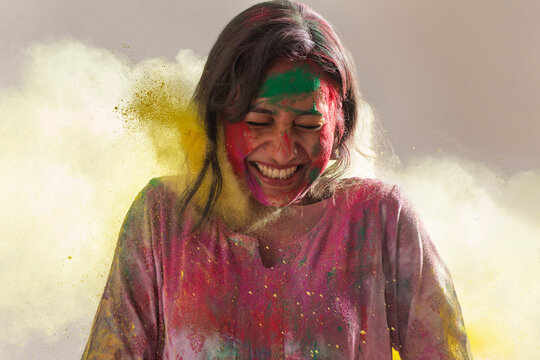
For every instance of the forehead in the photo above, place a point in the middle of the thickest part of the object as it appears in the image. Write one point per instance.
(285, 78)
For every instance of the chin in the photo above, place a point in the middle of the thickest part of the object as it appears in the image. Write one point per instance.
(266, 191)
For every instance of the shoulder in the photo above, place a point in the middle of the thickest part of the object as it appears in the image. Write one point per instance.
(157, 207)
(158, 195)
(371, 196)
(159, 189)
(360, 190)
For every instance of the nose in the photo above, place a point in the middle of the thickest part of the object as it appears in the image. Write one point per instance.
(283, 148)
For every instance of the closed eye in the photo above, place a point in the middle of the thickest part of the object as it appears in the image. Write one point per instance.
(310, 127)
(257, 124)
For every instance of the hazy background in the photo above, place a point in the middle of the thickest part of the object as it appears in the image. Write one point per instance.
(455, 85)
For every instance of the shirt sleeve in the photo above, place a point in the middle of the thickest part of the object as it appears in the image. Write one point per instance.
(126, 325)
(424, 316)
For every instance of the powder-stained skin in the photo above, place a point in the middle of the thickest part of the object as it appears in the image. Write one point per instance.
(290, 125)
(299, 80)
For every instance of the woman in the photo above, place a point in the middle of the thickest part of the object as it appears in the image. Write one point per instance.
(317, 267)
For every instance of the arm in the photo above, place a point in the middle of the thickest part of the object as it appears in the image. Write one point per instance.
(424, 315)
(126, 325)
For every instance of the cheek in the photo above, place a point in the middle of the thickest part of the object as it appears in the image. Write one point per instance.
(322, 150)
(327, 140)
(238, 144)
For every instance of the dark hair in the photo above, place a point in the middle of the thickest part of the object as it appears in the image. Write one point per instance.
(235, 68)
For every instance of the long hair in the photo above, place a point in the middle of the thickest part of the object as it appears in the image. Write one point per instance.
(236, 66)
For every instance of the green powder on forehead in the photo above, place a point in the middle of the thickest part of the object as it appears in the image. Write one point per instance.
(298, 80)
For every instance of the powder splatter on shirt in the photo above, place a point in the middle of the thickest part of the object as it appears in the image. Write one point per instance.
(364, 281)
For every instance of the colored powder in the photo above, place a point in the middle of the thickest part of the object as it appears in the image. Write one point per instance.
(296, 81)
(312, 111)
(331, 274)
(287, 141)
(314, 174)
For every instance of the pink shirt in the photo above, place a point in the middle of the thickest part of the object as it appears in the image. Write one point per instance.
(365, 278)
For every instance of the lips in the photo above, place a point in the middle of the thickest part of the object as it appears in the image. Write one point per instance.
(282, 177)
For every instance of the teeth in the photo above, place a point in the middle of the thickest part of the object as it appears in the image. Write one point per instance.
(276, 173)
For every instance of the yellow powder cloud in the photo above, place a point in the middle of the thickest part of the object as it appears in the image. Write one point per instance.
(487, 230)
(159, 107)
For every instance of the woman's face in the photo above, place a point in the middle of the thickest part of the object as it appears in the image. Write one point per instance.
(285, 141)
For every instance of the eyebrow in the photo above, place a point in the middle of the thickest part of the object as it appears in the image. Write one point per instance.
(260, 110)
(312, 111)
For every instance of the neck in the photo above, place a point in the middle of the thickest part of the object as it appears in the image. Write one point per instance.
(288, 217)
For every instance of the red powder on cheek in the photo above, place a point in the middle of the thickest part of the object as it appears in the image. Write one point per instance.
(326, 140)
(238, 145)
(334, 112)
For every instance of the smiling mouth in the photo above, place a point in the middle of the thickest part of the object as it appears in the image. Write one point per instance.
(274, 173)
